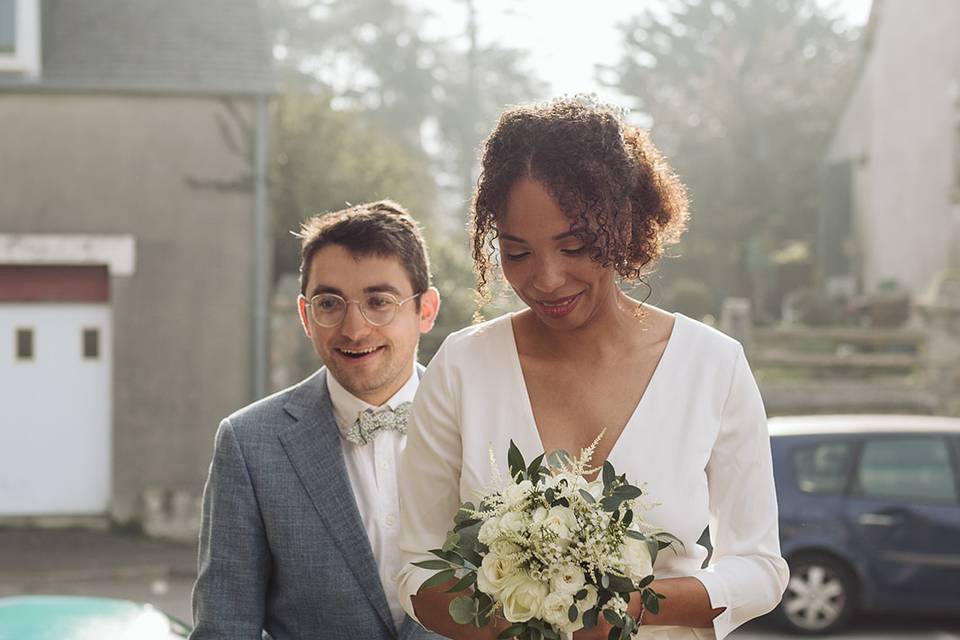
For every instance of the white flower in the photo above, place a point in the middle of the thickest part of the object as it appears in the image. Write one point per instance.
(489, 531)
(556, 607)
(568, 580)
(539, 515)
(522, 598)
(495, 573)
(512, 523)
(569, 482)
(514, 494)
(636, 558)
(562, 521)
(590, 601)
(504, 548)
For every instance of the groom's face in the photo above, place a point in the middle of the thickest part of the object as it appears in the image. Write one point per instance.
(371, 362)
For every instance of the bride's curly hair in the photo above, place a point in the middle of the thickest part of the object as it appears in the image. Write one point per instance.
(622, 198)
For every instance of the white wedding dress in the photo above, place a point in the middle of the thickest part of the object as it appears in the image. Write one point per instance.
(698, 439)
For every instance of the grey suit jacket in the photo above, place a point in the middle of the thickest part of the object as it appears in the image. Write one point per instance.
(283, 552)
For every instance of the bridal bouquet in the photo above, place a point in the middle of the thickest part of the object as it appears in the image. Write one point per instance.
(551, 550)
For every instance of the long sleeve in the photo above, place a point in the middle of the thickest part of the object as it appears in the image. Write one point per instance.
(747, 574)
(429, 475)
(229, 597)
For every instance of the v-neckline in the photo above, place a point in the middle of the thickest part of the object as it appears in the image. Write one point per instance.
(528, 405)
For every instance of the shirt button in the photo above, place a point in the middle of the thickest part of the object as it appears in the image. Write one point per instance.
(390, 520)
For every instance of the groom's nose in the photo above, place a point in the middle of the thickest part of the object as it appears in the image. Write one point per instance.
(354, 325)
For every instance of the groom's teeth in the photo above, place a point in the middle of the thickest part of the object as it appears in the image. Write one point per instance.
(361, 352)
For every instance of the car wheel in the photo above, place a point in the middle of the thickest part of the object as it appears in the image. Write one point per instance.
(820, 596)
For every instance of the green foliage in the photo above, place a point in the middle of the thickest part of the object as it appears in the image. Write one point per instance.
(742, 97)
(323, 159)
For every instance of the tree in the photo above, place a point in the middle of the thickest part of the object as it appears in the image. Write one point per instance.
(742, 96)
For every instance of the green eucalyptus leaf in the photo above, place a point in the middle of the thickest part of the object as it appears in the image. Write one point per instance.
(515, 461)
(433, 565)
(587, 497)
(609, 475)
(627, 492)
(627, 518)
(619, 584)
(512, 631)
(439, 578)
(580, 595)
(463, 610)
(533, 470)
(646, 581)
(612, 617)
(590, 618)
(463, 583)
(636, 535)
(558, 459)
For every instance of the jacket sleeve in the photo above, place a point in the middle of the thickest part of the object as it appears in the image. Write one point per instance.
(747, 575)
(229, 597)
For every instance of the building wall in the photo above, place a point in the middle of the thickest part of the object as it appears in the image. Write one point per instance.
(107, 164)
(905, 189)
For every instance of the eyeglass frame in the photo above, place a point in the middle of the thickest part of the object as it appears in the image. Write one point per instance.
(398, 303)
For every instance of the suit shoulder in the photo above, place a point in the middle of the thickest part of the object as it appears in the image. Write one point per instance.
(266, 414)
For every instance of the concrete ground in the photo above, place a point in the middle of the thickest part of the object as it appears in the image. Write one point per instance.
(115, 564)
(104, 563)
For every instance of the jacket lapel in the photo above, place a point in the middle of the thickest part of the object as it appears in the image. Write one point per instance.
(313, 446)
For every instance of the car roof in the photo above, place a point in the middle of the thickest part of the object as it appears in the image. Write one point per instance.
(860, 423)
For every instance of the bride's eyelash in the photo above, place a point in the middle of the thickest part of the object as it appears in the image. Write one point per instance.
(575, 252)
(516, 256)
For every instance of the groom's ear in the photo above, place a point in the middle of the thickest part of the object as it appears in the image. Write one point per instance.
(304, 319)
(429, 308)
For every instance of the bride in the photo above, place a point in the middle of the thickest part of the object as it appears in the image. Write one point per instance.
(574, 199)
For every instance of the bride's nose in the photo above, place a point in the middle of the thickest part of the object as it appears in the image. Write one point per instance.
(548, 274)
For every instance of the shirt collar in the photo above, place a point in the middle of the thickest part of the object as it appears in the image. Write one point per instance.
(346, 406)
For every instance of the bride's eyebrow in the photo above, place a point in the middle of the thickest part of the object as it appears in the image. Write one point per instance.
(559, 236)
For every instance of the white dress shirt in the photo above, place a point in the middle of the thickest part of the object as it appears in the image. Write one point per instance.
(698, 438)
(373, 474)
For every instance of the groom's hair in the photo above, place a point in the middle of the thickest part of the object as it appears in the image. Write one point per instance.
(383, 228)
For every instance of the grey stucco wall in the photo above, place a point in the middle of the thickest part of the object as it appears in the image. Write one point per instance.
(907, 217)
(182, 323)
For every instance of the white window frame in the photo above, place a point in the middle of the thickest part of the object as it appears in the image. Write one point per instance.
(25, 58)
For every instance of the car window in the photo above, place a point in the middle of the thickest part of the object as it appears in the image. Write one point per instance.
(822, 468)
(907, 468)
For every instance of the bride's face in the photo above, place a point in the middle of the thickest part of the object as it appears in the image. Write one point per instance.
(548, 267)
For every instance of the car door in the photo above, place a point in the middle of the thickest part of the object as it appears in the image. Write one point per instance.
(904, 511)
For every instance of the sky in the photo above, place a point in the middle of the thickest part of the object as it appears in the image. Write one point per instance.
(565, 41)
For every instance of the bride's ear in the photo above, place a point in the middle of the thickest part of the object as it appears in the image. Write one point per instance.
(429, 308)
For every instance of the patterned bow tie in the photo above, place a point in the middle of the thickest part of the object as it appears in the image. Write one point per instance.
(372, 421)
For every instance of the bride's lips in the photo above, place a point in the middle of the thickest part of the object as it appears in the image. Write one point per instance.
(558, 307)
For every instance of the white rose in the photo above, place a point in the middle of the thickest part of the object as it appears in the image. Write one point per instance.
(504, 548)
(517, 493)
(568, 579)
(569, 482)
(495, 573)
(512, 522)
(489, 531)
(556, 607)
(539, 515)
(562, 521)
(590, 601)
(636, 557)
(522, 598)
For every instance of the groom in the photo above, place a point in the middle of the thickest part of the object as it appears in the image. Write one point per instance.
(300, 510)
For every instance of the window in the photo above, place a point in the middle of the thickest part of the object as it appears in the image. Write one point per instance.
(20, 36)
(8, 26)
(917, 468)
(822, 468)
(24, 344)
(91, 344)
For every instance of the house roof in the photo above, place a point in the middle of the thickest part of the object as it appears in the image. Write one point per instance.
(188, 46)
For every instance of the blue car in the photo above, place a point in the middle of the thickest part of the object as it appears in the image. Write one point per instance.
(79, 618)
(869, 516)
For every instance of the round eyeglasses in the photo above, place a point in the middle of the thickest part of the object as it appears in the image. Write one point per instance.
(379, 309)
